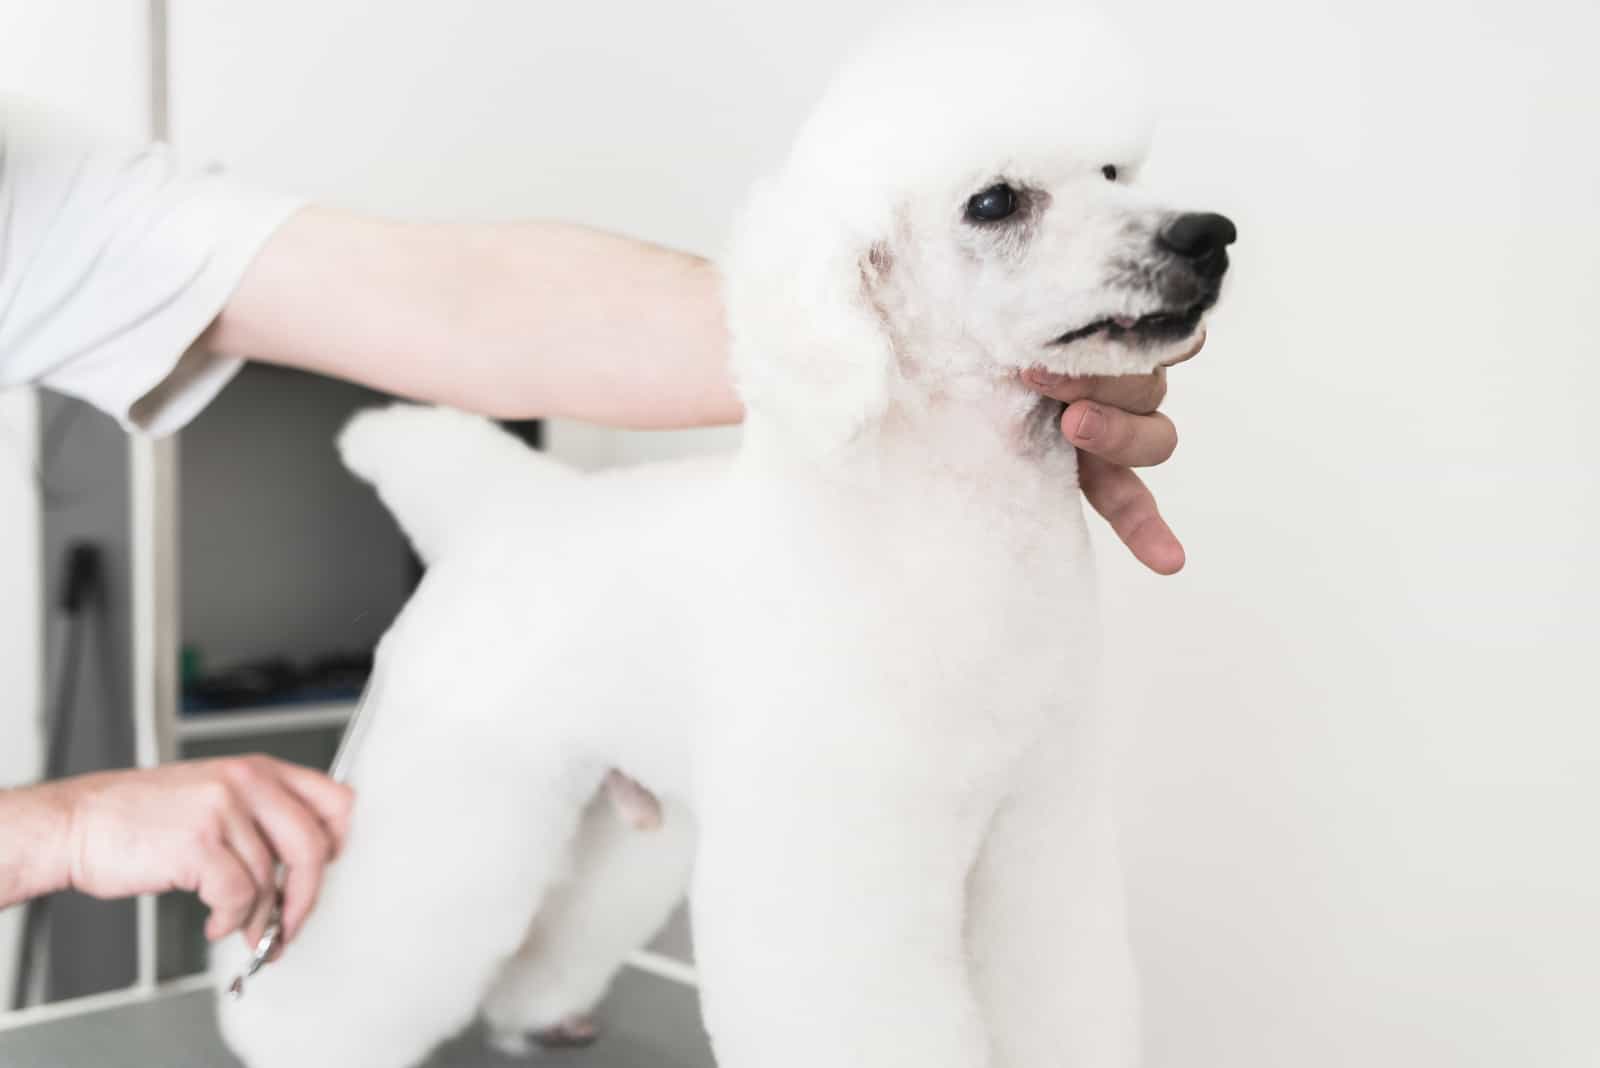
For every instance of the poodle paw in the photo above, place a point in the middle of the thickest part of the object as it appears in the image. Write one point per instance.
(508, 1042)
(569, 1033)
(572, 1033)
(636, 806)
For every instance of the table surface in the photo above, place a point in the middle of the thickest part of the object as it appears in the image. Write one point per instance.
(648, 1023)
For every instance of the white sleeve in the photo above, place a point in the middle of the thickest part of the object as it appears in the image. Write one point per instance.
(112, 262)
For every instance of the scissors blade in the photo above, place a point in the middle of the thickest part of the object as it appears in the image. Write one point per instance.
(264, 947)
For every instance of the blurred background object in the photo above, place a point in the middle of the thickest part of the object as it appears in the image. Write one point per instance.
(21, 628)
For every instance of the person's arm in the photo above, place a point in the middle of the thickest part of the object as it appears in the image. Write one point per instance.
(513, 320)
(519, 320)
(214, 827)
(33, 832)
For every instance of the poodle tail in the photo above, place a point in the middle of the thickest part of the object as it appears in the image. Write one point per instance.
(436, 469)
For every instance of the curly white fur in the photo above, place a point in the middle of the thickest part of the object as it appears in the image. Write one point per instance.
(857, 663)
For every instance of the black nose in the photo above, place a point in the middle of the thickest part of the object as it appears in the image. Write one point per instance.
(1198, 236)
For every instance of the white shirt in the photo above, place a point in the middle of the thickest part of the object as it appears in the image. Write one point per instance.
(112, 262)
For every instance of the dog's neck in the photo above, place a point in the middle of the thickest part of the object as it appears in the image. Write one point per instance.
(974, 444)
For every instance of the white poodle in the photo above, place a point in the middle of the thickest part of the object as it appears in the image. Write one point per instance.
(857, 662)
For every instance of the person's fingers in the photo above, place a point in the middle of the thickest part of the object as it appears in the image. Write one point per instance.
(247, 841)
(297, 834)
(225, 887)
(330, 800)
(1122, 498)
(255, 926)
(303, 844)
(1132, 393)
(1115, 436)
(301, 884)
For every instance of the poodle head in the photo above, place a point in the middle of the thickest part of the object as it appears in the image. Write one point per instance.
(962, 206)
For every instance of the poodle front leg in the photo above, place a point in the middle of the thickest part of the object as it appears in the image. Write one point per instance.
(828, 920)
(1047, 936)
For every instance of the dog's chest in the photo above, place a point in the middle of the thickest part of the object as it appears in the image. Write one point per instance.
(969, 607)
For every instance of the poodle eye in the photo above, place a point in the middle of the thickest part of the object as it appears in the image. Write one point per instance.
(993, 204)
(1110, 171)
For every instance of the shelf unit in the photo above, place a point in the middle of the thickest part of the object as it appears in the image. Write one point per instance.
(260, 722)
(153, 552)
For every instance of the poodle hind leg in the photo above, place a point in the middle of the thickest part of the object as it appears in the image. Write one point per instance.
(458, 830)
(630, 868)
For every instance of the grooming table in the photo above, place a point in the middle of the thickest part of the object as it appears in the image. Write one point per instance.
(648, 1023)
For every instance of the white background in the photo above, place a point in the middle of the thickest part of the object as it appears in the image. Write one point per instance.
(1365, 786)
(1365, 765)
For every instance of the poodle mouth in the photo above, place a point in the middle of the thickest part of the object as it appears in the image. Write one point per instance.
(1157, 327)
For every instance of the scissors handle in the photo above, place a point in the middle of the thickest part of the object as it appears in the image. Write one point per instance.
(264, 948)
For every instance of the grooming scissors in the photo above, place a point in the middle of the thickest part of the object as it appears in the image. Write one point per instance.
(339, 771)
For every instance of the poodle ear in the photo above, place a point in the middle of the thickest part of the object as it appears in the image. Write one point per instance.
(812, 352)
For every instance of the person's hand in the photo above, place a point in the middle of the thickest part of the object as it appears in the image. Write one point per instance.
(1115, 426)
(214, 827)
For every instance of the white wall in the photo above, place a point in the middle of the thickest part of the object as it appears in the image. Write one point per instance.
(1367, 770)
(1366, 755)
(645, 118)
(87, 59)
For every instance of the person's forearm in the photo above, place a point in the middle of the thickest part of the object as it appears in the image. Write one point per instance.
(513, 320)
(34, 824)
